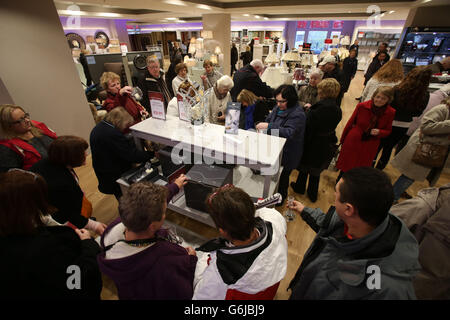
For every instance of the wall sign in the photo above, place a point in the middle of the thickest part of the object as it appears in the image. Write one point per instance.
(319, 24)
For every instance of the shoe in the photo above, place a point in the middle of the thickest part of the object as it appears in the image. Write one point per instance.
(313, 188)
(297, 190)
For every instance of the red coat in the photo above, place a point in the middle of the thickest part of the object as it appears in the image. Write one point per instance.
(133, 108)
(25, 150)
(354, 151)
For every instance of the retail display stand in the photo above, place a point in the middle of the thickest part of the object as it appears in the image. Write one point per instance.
(248, 150)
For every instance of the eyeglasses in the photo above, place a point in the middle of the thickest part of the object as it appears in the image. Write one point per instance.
(211, 197)
(25, 117)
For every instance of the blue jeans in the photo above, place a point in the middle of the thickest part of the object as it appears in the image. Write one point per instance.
(400, 186)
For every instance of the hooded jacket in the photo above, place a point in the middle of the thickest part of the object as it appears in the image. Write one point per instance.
(380, 265)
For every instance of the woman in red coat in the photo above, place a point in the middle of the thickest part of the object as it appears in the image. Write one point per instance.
(117, 96)
(371, 121)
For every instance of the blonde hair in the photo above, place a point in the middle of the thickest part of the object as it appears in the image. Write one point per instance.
(106, 77)
(391, 71)
(328, 88)
(6, 130)
(386, 91)
(207, 63)
(120, 118)
(247, 96)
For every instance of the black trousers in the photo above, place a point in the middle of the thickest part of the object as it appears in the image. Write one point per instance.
(387, 144)
(284, 183)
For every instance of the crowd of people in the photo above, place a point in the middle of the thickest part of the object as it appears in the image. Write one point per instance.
(45, 213)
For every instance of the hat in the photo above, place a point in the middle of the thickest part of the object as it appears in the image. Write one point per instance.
(328, 59)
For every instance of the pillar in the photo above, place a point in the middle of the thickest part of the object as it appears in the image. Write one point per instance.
(37, 68)
(220, 25)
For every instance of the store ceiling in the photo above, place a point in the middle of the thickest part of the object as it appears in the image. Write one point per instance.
(170, 11)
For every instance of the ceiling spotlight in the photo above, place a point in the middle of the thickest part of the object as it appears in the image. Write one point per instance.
(257, 17)
(246, 15)
(204, 7)
(265, 18)
(392, 11)
(175, 2)
(171, 18)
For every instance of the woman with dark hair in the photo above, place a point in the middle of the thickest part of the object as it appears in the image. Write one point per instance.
(287, 120)
(320, 138)
(410, 99)
(39, 261)
(23, 141)
(171, 74)
(65, 154)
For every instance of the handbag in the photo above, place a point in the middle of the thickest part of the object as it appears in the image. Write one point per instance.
(336, 149)
(430, 155)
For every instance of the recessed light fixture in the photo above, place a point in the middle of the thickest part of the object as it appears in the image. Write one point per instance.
(171, 18)
(392, 11)
(265, 18)
(425, 1)
(246, 15)
(203, 6)
(175, 2)
(257, 17)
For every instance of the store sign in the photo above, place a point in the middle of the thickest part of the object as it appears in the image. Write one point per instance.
(301, 24)
(319, 24)
(338, 24)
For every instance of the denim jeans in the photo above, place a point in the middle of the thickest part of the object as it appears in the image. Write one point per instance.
(400, 186)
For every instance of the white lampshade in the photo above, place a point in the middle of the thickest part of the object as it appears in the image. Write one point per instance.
(272, 58)
(291, 56)
(214, 59)
(217, 50)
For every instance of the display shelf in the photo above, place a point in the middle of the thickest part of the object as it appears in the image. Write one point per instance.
(368, 46)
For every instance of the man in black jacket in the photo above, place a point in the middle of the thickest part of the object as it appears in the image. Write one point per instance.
(331, 69)
(248, 78)
(152, 80)
(355, 46)
(378, 61)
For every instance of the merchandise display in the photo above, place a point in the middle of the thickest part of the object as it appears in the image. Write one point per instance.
(368, 45)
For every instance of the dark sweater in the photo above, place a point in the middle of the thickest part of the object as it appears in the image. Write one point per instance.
(36, 266)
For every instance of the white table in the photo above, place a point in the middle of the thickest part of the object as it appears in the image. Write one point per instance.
(247, 149)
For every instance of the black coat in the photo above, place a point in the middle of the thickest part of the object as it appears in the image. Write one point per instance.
(112, 155)
(350, 66)
(320, 136)
(248, 78)
(146, 82)
(246, 57)
(64, 193)
(290, 125)
(36, 266)
(234, 55)
(355, 47)
(374, 66)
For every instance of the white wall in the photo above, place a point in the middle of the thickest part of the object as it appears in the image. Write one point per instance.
(37, 69)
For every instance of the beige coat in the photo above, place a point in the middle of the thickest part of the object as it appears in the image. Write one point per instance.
(427, 216)
(215, 105)
(435, 127)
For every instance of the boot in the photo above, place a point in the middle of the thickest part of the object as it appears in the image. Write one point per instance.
(313, 188)
(300, 185)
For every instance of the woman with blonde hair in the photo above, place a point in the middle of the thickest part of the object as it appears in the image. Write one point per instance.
(112, 153)
(117, 96)
(23, 141)
(388, 75)
(253, 110)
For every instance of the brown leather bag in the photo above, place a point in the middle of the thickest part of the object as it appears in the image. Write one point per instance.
(430, 155)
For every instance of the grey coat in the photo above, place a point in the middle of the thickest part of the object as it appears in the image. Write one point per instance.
(337, 268)
(435, 127)
(428, 217)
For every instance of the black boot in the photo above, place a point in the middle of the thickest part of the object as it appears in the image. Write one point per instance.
(300, 185)
(313, 187)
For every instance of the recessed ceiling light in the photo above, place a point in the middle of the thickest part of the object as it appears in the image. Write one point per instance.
(171, 18)
(265, 18)
(204, 7)
(392, 11)
(175, 2)
(246, 15)
(257, 17)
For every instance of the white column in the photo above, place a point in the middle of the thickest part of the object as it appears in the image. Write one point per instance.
(37, 68)
(220, 25)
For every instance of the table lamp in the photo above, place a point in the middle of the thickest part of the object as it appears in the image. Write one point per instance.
(272, 59)
(290, 58)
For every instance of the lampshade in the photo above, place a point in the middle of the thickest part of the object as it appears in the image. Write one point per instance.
(272, 58)
(213, 59)
(291, 56)
(190, 62)
(193, 40)
(217, 50)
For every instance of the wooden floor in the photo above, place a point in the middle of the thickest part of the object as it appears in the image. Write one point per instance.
(299, 235)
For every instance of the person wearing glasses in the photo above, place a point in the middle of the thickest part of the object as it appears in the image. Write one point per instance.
(249, 259)
(23, 141)
(287, 120)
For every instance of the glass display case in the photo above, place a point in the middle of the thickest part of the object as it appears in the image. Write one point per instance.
(423, 46)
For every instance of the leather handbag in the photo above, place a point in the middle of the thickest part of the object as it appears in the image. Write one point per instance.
(430, 155)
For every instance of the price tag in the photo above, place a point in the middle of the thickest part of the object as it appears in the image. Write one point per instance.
(157, 105)
(182, 109)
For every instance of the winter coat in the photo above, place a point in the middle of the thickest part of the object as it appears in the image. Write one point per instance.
(428, 217)
(290, 125)
(337, 268)
(374, 66)
(356, 152)
(372, 85)
(350, 66)
(112, 155)
(216, 105)
(38, 266)
(147, 83)
(248, 78)
(211, 79)
(436, 129)
(115, 100)
(250, 272)
(320, 135)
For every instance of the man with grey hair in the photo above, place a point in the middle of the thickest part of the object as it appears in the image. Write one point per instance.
(248, 77)
(152, 80)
